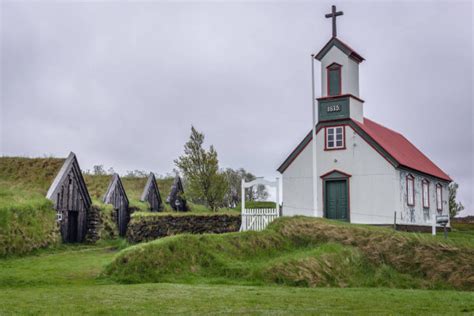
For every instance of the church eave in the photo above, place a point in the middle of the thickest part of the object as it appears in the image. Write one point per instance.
(346, 49)
(340, 96)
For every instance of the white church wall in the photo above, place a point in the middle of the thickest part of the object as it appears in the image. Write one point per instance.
(356, 110)
(417, 214)
(297, 184)
(374, 182)
(353, 77)
(349, 72)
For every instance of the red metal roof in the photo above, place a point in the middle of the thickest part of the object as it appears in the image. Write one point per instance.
(400, 148)
(395, 144)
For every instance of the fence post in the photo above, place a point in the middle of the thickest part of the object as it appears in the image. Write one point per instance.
(433, 225)
(277, 189)
(395, 220)
(243, 195)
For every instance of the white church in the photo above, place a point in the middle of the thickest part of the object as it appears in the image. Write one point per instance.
(357, 170)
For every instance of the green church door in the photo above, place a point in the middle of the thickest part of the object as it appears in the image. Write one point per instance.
(337, 200)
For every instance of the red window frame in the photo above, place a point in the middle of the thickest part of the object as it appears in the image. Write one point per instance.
(440, 206)
(412, 179)
(333, 67)
(423, 183)
(326, 148)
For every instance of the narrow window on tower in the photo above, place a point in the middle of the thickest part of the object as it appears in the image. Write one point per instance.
(410, 190)
(334, 79)
(439, 197)
(426, 193)
(335, 138)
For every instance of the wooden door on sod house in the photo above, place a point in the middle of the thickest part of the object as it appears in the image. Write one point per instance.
(73, 229)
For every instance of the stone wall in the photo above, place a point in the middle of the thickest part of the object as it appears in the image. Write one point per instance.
(463, 220)
(101, 224)
(149, 227)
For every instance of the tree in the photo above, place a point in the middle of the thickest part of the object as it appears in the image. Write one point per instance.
(98, 170)
(454, 207)
(200, 168)
(258, 193)
(233, 195)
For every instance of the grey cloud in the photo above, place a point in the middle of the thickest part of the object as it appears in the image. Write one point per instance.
(120, 83)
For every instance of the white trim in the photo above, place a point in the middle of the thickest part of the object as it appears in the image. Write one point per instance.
(336, 131)
(425, 196)
(439, 197)
(410, 190)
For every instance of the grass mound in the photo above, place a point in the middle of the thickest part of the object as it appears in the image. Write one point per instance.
(25, 223)
(303, 252)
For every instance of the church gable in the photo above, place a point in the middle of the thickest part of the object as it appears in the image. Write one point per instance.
(343, 47)
(392, 146)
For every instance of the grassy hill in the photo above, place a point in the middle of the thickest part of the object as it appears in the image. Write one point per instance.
(27, 218)
(68, 281)
(302, 252)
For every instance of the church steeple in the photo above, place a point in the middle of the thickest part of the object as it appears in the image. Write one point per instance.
(339, 78)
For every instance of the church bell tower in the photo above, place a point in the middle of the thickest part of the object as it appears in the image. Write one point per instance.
(339, 79)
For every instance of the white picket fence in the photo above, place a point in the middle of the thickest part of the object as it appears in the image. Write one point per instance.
(258, 219)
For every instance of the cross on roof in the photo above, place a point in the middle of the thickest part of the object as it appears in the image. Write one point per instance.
(333, 15)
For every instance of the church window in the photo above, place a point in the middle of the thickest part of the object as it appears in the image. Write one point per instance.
(410, 190)
(439, 197)
(425, 193)
(335, 137)
(334, 79)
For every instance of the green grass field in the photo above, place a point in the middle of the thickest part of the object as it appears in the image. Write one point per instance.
(297, 266)
(68, 280)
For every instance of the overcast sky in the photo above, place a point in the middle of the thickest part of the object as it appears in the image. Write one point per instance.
(120, 83)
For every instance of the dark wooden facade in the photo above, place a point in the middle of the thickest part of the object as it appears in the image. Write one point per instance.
(176, 198)
(116, 196)
(151, 194)
(71, 200)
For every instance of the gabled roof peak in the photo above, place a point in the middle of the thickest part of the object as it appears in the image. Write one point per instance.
(149, 187)
(115, 182)
(70, 165)
(346, 49)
